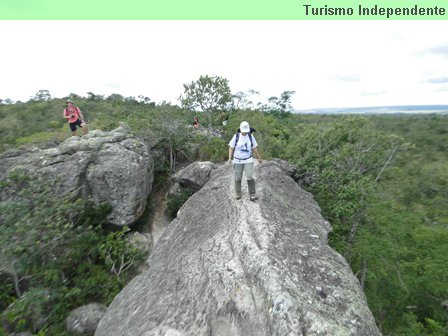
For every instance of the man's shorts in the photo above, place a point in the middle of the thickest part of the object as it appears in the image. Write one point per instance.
(73, 125)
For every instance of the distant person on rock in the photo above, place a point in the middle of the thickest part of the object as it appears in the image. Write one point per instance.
(241, 149)
(196, 122)
(74, 117)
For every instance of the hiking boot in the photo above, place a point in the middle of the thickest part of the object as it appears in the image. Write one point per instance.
(238, 189)
(251, 187)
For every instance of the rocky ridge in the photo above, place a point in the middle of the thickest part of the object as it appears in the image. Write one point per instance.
(228, 267)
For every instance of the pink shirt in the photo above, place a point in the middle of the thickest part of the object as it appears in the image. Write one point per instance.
(72, 110)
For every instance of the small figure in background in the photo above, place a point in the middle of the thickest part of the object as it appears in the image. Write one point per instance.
(74, 117)
(196, 122)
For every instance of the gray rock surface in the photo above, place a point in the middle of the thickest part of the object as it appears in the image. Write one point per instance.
(226, 267)
(108, 167)
(84, 320)
(288, 167)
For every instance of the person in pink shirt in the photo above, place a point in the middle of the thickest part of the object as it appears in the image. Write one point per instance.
(74, 117)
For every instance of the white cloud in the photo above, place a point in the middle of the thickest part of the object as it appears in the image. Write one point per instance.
(327, 63)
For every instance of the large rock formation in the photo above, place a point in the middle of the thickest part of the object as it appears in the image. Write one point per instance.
(228, 267)
(110, 167)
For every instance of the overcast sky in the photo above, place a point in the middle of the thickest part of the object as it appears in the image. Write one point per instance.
(328, 63)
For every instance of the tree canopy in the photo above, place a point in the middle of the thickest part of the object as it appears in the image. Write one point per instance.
(207, 94)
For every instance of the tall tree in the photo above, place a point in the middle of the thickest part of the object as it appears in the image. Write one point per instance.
(280, 105)
(42, 95)
(242, 100)
(207, 94)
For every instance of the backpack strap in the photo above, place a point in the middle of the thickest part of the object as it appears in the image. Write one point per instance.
(237, 137)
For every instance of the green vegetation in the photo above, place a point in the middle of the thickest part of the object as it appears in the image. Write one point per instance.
(174, 202)
(382, 181)
(207, 94)
(55, 256)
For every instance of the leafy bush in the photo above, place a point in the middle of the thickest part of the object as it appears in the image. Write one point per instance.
(215, 150)
(42, 137)
(345, 159)
(175, 201)
(28, 312)
(56, 245)
(118, 255)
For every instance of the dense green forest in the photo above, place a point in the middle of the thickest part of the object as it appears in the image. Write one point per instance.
(381, 181)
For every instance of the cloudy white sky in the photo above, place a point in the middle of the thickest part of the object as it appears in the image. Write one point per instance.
(328, 63)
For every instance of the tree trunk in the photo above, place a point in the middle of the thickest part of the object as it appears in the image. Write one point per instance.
(209, 129)
(171, 157)
(387, 162)
(363, 273)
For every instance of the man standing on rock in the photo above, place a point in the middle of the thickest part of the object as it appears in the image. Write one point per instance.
(74, 117)
(241, 147)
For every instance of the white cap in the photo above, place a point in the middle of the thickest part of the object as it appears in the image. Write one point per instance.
(244, 127)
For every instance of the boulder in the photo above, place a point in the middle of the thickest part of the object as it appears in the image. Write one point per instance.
(228, 267)
(84, 320)
(110, 167)
(195, 175)
(142, 241)
(191, 178)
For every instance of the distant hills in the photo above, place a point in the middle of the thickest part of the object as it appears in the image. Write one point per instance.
(440, 109)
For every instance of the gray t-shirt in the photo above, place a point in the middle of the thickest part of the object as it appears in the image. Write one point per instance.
(242, 150)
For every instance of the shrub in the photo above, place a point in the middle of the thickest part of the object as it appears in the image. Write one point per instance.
(42, 137)
(174, 202)
(53, 244)
(27, 313)
(118, 254)
(214, 150)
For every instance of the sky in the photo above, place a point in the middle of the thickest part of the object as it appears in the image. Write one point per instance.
(328, 64)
